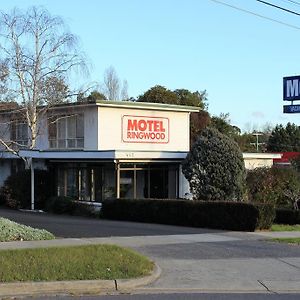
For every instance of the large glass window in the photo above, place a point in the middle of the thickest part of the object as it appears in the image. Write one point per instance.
(19, 133)
(66, 132)
(139, 181)
(85, 182)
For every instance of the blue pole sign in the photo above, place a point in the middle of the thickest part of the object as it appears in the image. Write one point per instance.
(291, 88)
(291, 109)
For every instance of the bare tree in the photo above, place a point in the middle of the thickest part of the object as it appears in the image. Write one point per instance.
(38, 53)
(124, 91)
(111, 84)
(35, 50)
(112, 87)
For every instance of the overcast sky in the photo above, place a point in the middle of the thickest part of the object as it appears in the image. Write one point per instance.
(239, 58)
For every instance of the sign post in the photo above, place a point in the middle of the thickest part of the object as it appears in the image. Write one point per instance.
(291, 92)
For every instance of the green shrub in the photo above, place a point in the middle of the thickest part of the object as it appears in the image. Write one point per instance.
(279, 187)
(287, 216)
(16, 191)
(218, 215)
(11, 231)
(215, 168)
(60, 205)
(67, 205)
(266, 215)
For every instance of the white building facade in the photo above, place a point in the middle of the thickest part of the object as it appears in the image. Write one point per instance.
(106, 149)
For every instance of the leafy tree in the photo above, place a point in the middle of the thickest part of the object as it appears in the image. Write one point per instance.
(280, 187)
(285, 138)
(296, 163)
(55, 90)
(95, 95)
(185, 97)
(222, 124)
(246, 142)
(159, 94)
(215, 168)
(198, 121)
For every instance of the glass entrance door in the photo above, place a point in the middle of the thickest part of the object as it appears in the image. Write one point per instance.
(139, 181)
(158, 183)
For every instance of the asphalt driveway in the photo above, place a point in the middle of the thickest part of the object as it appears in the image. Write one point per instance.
(78, 227)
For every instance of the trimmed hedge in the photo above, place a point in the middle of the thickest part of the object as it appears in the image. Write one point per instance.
(67, 205)
(218, 215)
(287, 216)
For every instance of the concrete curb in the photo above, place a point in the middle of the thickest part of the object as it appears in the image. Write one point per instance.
(76, 287)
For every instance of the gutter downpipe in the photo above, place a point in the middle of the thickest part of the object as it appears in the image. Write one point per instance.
(32, 183)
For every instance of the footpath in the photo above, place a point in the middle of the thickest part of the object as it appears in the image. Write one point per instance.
(185, 263)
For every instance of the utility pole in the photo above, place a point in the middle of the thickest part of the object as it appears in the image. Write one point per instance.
(257, 144)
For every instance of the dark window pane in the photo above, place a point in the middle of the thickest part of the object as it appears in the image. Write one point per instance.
(127, 184)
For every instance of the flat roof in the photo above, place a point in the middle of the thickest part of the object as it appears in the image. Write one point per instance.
(147, 105)
(117, 104)
(257, 155)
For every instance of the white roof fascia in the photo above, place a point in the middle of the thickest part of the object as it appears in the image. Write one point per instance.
(112, 154)
(261, 155)
(68, 154)
(150, 155)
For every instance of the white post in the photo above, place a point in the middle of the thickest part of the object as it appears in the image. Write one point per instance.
(32, 183)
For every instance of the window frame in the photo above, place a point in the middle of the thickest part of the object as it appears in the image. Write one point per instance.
(19, 140)
(59, 131)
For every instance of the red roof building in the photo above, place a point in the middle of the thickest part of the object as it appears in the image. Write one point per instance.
(285, 160)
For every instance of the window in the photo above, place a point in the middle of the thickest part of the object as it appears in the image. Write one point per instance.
(141, 181)
(66, 132)
(86, 182)
(19, 133)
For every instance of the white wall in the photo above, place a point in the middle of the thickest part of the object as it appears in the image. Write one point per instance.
(251, 164)
(42, 142)
(90, 128)
(110, 130)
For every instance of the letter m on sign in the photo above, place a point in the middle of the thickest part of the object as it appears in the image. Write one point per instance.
(291, 90)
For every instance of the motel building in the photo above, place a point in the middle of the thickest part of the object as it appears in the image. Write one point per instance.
(107, 149)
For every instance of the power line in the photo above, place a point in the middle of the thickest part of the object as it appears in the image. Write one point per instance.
(255, 14)
(294, 2)
(279, 7)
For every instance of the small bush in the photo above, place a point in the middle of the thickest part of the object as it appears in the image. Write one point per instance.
(218, 215)
(16, 191)
(11, 231)
(66, 205)
(60, 205)
(279, 187)
(287, 216)
(266, 215)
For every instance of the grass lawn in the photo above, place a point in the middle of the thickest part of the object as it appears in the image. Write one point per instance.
(293, 241)
(282, 227)
(72, 263)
